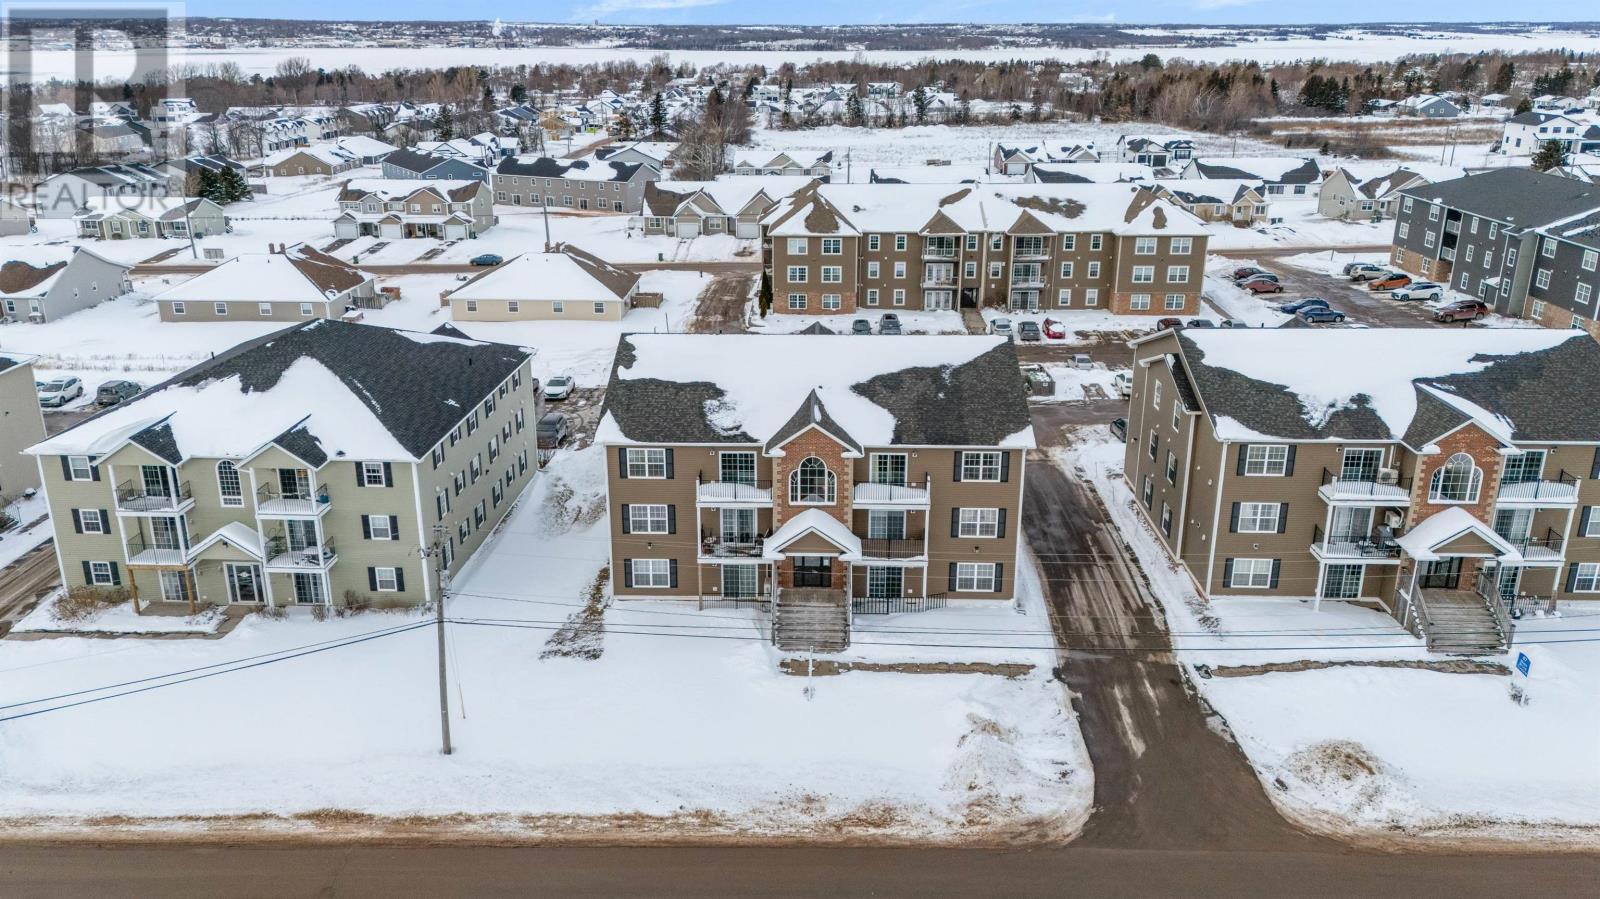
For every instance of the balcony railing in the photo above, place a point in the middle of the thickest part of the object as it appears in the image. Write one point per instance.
(895, 605)
(1025, 252)
(714, 544)
(732, 493)
(870, 494)
(137, 496)
(939, 251)
(271, 500)
(1540, 549)
(1561, 491)
(1027, 280)
(1375, 487)
(148, 552)
(1381, 543)
(931, 280)
(908, 547)
(281, 555)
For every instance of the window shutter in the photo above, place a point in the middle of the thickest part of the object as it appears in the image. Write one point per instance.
(957, 475)
(94, 475)
(672, 573)
(116, 575)
(1233, 520)
(372, 579)
(1583, 524)
(955, 522)
(399, 578)
(669, 463)
(1227, 572)
(66, 467)
(394, 527)
(88, 573)
(1277, 566)
(366, 527)
(1288, 465)
(672, 519)
(1283, 517)
(1005, 467)
(1001, 530)
(361, 479)
(625, 525)
(388, 475)
(622, 462)
(77, 521)
(627, 572)
(999, 577)
(1239, 468)
(1594, 469)
(952, 587)
(1572, 576)
(105, 521)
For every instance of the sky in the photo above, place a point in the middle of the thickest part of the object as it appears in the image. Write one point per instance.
(834, 12)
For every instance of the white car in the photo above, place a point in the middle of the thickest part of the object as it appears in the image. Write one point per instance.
(1002, 326)
(58, 392)
(1123, 383)
(1418, 290)
(558, 387)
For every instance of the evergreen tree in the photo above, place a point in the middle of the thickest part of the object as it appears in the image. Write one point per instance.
(919, 103)
(1547, 157)
(1523, 106)
(447, 124)
(853, 113)
(519, 94)
(658, 116)
(210, 188)
(235, 186)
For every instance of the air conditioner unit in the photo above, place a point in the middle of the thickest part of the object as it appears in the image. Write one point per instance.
(1393, 519)
(1388, 476)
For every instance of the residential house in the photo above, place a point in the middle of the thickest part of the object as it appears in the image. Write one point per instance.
(484, 149)
(1015, 160)
(932, 174)
(730, 206)
(21, 426)
(1427, 106)
(127, 218)
(368, 150)
(840, 249)
(415, 165)
(572, 183)
(837, 481)
(394, 209)
(1526, 242)
(655, 154)
(14, 218)
(1089, 173)
(1282, 176)
(321, 159)
(1493, 101)
(1371, 191)
(784, 162)
(61, 195)
(46, 283)
(327, 464)
(1576, 132)
(1239, 203)
(294, 284)
(565, 284)
(1446, 486)
(1156, 151)
(184, 166)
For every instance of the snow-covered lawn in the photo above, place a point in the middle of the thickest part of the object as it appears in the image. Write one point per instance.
(1241, 305)
(1383, 751)
(682, 724)
(14, 544)
(1073, 383)
(118, 619)
(1302, 226)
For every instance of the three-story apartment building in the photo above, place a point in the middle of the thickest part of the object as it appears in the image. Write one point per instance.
(403, 208)
(328, 464)
(1449, 484)
(842, 249)
(799, 471)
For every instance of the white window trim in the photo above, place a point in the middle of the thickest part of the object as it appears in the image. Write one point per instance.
(1254, 564)
(644, 455)
(982, 520)
(1260, 524)
(973, 574)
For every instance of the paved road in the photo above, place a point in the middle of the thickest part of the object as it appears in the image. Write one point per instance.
(1274, 252)
(24, 580)
(721, 305)
(462, 268)
(1354, 299)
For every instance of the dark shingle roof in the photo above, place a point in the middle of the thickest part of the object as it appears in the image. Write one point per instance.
(1523, 197)
(413, 160)
(548, 167)
(811, 412)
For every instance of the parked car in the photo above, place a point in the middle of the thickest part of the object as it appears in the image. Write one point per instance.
(1028, 332)
(114, 392)
(1245, 271)
(558, 387)
(59, 392)
(1230, 323)
(1419, 290)
(1119, 429)
(1168, 324)
(1461, 311)
(1258, 276)
(1200, 323)
(1316, 314)
(1364, 271)
(1123, 382)
(487, 259)
(553, 430)
(1298, 305)
(1001, 326)
(1389, 281)
(861, 326)
(1262, 285)
(1082, 360)
(1054, 330)
(889, 324)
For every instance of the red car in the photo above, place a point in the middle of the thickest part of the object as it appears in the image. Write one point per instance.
(1461, 311)
(1389, 281)
(1054, 329)
(1246, 271)
(1262, 285)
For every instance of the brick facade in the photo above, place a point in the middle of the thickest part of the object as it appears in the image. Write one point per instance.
(812, 443)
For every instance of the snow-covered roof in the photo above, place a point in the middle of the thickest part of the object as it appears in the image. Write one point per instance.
(150, 207)
(1442, 527)
(737, 388)
(361, 145)
(813, 521)
(324, 153)
(1092, 172)
(766, 157)
(301, 275)
(30, 271)
(932, 174)
(400, 188)
(568, 274)
(1266, 168)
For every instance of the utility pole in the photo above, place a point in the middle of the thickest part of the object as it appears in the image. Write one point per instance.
(545, 209)
(435, 554)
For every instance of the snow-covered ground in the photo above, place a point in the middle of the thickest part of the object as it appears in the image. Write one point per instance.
(119, 619)
(16, 543)
(678, 722)
(1302, 226)
(1074, 383)
(1384, 751)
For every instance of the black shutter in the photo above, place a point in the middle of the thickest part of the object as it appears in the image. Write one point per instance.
(116, 574)
(372, 579)
(1277, 566)
(94, 474)
(1283, 517)
(957, 475)
(88, 573)
(669, 463)
(394, 527)
(672, 519)
(955, 522)
(672, 574)
(952, 587)
(625, 527)
(1001, 532)
(1227, 572)
(1288, 465)
(388, 475)
(1583, 524)
(105, 522)
(366, 527)
(627, 572)
(1005, 467)
(1233, 520)
(1572, 576)
(1239, 468)
(399, 578)
(1594, 469)
(361, 475)
(66, 467)
(999, 577)
(622, 462)
(77, 521)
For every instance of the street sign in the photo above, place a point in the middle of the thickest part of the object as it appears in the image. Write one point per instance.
(1523, 663)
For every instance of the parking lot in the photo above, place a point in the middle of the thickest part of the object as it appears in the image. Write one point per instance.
(1362, 306)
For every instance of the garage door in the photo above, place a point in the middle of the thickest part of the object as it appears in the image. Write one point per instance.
(688, 229)
(747, 229)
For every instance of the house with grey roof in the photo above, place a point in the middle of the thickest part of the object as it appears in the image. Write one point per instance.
(21, 426)
(420, 166)
(292, 284)
(61, 195)
(1280, 176)
(327, 464)
(406, 207)
(46, 283)
(836, 483)
(1455, 486)
(605, 185)
(1366, 192)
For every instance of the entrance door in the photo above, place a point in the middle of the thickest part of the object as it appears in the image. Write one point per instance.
(969, 298)
(157, 480)
(1442, 574)
(244, 583)
(812, 571)
(1510, 579)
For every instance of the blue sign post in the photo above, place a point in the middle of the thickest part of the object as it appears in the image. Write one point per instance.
(1524, 664)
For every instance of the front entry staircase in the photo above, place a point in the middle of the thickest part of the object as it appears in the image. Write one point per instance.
(1461, 622)
(805, 620)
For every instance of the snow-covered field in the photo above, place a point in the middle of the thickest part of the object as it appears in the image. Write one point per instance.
(15, 544)
(1384, 751)
(683, 719)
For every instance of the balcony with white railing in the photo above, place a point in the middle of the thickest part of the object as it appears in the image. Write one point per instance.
(892, 496)
(1382, 488)
(147, 553)
(1562, 490)
(139, 497)
(284, 556)
(749, 493)
(272, 502)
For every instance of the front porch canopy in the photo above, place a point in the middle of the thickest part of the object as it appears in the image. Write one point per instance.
(1456, 532)
(812, 522)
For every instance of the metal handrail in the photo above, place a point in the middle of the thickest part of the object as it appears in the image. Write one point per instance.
(906, 547)
(1376, 545)
(132, 490)
(1358, 486)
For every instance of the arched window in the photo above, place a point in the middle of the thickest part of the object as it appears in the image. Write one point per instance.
(811, 483)
(228, 484)
(1456, 481)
